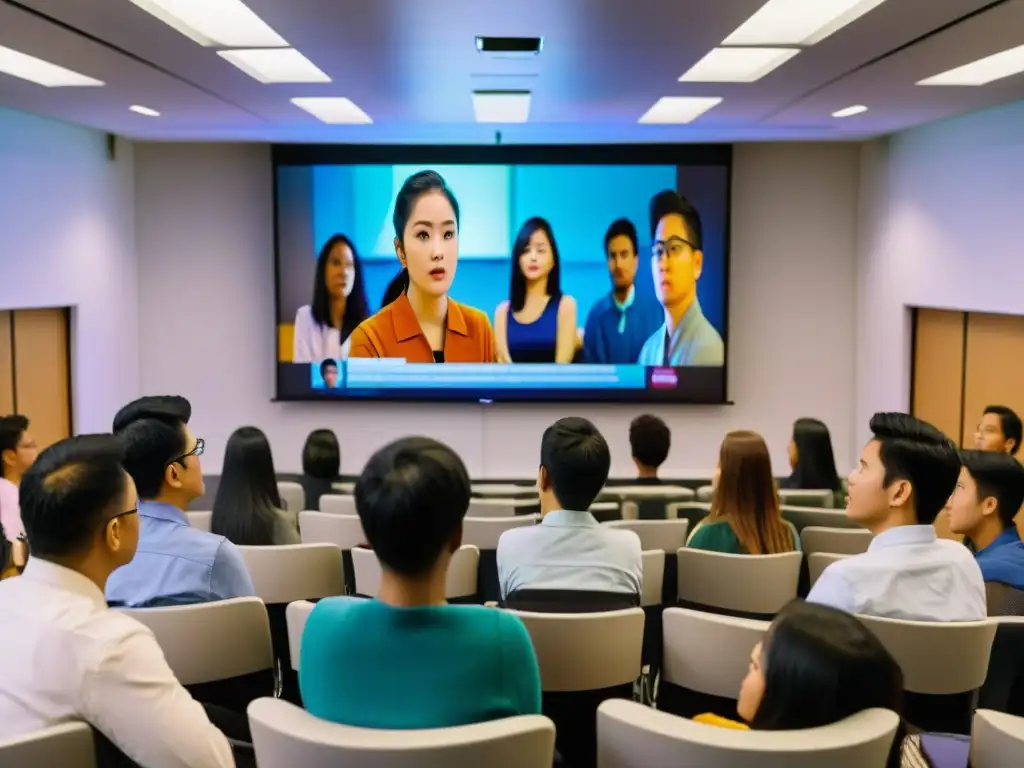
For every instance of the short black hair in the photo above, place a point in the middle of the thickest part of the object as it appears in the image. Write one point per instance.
(321, 455)
(328, 363)
(576, 457)
(71, 489)
(1010, 423)
(649, 439)
(153, 432)
(668, 202)
(12, 429)
(915, 451)
(411, 498)
(621, 228)
(999, 475)
(415, 187)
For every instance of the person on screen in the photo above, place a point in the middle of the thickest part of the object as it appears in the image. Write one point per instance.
(323, 328)
(329, 373)
(686, 337)
(538, 322)
(620, 323)
(424, 325)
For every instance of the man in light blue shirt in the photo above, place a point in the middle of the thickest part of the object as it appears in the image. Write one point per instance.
(570, 550)
(174, 564)
(905, 475)
(686, 337)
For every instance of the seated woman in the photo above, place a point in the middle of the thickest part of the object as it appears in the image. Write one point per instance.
(744, 517)
(407, 659)
(247, 510)
(321, 462)
(816, 666)
(538, 322)
(812, 461)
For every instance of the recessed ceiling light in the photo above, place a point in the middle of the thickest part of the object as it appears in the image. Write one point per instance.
(983, 71)
(276, 65)
(501, 106)
(856, 109)
(333, 109)
(229, 23)
(737, 65)
(144, 110)
(679, 109)
(798, 22)
(30, 68)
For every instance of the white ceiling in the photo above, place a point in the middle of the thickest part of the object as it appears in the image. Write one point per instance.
(412, 64)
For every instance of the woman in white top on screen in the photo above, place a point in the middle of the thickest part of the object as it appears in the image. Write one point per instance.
(339, 305)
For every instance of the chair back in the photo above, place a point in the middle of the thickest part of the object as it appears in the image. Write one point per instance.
(344, 531)
(68, 745)
(631, 735)
(296, 615)
(286, 736)
(504, 490)
(818, 562)
(199, 520)
(293, 496)
(460, 582)
(747, 584)
(691, 511)
(347, 487)
(605, 511)
(802, 517)
(1003, 600)
(484, 532)
(705, 493)
(838, 541)
(997, 739)
(653, 578)
(338, 504)
(666, 535)
(492, 506)
(284, 573)
(799, 497)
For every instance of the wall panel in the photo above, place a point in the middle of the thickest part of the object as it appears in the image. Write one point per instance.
(41, 372)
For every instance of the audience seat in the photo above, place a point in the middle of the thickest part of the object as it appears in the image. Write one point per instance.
(1003, 600)
(199, 520)
(606, 511)
(651, 501)
(286, 736)
(296, 615)
(803, 517)
(755, 586)
(691, 511)
(293, 496)
(799, 497)
(1003, 690)
(68, 745)
(346, 487)
(505, 490)
(337, 504)
(817, 562)
(634, 736)
(584, 659)
(943, 664)
(499, 507)
(569, 601)
(997, 740)
(460, 586)
(838, 541)
(666, 535)
(344, 531)
(705, 494)
(483, 533)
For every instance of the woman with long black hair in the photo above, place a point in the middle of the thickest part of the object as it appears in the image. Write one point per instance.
(812, 460)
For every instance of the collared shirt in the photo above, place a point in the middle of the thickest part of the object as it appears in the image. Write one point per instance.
(907, 573)
(570, 550)
(176, 564)
(1003, 560)
(394, 332)
(67, 657)
(10, 511)
(693, 342)
(615, 333)
(313, 343)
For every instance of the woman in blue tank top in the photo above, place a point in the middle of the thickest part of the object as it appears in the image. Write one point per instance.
(538, 322)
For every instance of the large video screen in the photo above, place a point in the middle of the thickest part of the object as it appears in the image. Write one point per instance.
(502, 273)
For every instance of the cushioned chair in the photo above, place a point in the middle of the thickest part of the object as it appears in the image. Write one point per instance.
(691, 511)
(292, 496)
(344, 531)
(337, 504)
(296, 615)
(652, 501)
(802, 517)
(606, 511)
(997, 740)
(460, 585)
(798, 497)
(838, 541)
(347, 487)
(504, 490)
(666, 535)
(1003, 690)
(819, 561)
(705, 493)
(483, 533)
(633, 736)
(68, 745)
(199, 520)
(755, 586)
(584, 659)
(1003, 600)
(288, 737)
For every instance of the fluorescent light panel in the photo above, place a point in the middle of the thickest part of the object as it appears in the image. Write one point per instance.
(678, 109)
(227, 23)
(856, 109)
(737, 65)
(138, 108)
(501, 106)
(276, 65)
(982, 71)
(333, 109)
(35, 70)
(798, 22)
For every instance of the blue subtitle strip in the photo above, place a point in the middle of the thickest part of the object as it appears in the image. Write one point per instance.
(398, 374)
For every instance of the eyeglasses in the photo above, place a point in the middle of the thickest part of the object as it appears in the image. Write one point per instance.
(197, 451)
(112, 518)
(674, 247)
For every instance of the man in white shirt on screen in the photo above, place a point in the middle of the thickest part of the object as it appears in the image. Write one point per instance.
(65, 655)
(905, 475)
(570, 550)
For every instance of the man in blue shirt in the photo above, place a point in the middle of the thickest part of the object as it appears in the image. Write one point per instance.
(174, 564)
(620, 323)
(988, 494)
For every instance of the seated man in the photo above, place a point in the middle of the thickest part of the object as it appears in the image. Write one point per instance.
(649, 440)
(999, 430)
(67, 656)
(176, 564)
(570, 549)
(906, 474)
(408, 659)
(982, 508)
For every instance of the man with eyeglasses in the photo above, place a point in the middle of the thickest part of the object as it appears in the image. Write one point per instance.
(66, 656)
(176, 564)
(687, 337)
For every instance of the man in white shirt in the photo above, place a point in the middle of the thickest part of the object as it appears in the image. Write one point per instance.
(906, 474)
(65, 655)
(569, 549)
(17, 452)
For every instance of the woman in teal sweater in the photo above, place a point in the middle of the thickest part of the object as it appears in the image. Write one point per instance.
(745, 517)
(408, 659)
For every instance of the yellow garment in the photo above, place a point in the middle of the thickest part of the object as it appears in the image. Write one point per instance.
(720, 722)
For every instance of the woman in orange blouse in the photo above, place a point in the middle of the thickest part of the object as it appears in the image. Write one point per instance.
(424, 325)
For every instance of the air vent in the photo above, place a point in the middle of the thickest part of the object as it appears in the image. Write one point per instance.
(510, 46)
